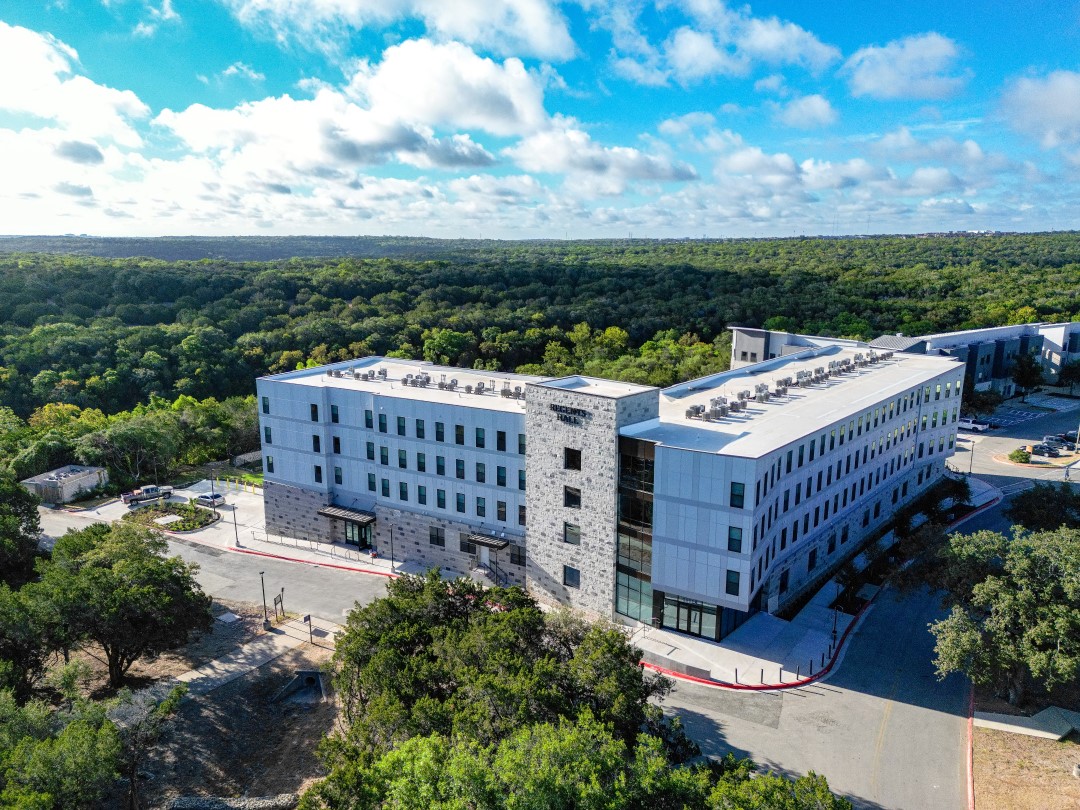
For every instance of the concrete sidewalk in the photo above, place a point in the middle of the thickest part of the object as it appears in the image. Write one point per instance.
(254, 654)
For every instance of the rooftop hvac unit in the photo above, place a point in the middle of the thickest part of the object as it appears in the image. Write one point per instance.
(468, 389)
(518, 392)
(329, 372)
(480, 387)
(744, 395)
(781, 391)
(762, 396)
(382, 373)
(691, 413)
(873, 358)
(452, 384)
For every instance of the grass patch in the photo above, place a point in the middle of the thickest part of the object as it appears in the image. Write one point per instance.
(1017, 772)
(191, 517)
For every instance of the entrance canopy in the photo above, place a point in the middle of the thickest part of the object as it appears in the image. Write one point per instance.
(487, 541)
(341, 513)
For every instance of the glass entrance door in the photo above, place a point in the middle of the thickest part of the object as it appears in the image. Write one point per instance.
(690, 618)
(358, 535)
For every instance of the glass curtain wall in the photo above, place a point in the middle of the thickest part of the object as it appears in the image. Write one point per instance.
(633, 570)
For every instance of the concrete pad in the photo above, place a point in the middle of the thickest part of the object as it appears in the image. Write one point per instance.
(1049, 724)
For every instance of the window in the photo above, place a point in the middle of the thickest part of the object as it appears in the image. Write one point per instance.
(571, 459)
(738, 494)
(440, 432)
(316, 444)
(337, 475)
(521, 444)
(572, 497)
(402, 459)
(401, 426)
(517, 555)
(481, 507)
(783, 581)
(521, 514)
(732, 585)
(334, 416)
(440, 498)
(386, 487)
(811, 561)
(521, 479)
(368, 423)
(318, 474)
(440, 465)
(500, 476)
(500, 511)
(371, 451)
(481, 473)
(459, 468)
(734, 539)
(384, 455)
(459, 434)
(419, 428)
(382, 423)
(266, 404)
(371, 481)
(266, 435)
(403, 491)
(421, 462)
(269, 464)
(466, 545)
(421, 494)
(480, 439)
(571, 534)
(460, 502)
(832, 542)
(437, 537)
(314, 412)
(336, 443)
(500, 441)
(571, 577)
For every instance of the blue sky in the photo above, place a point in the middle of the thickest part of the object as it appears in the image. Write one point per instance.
(536, 118)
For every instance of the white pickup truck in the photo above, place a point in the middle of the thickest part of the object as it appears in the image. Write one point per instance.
(967, 423)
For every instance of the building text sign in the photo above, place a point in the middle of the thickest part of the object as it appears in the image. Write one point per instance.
(572, 416)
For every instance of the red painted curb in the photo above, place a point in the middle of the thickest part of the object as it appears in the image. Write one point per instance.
(312, 562)
(971, 750)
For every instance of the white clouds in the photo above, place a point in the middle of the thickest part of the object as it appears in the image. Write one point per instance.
(607, 169)
(1047, 108)
(807, 112)
(524, 27)
(783, 43)
(46, 88)
(694, 55)
(902, 145)
(244, 70)
(916, 67)
(422, 82)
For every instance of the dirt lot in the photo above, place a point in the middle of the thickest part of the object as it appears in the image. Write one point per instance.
(235, 742)
(1017, 772)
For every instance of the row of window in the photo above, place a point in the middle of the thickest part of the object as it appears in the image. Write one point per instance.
(419, 428)
(382, 487)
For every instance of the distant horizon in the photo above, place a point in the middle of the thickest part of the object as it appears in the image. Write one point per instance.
(538, 119)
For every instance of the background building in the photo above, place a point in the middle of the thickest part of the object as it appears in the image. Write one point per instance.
(689, 507)
(66, 483)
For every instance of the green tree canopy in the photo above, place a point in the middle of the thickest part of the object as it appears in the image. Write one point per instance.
(19, 531)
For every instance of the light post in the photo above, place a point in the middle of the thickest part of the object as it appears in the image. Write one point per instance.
(971, 455)
(266, 613)
(236, 531)
(391, 548)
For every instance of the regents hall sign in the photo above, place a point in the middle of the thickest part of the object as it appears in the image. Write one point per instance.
(572, 416)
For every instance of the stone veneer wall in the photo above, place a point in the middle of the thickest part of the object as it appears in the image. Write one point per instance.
(412, 543)
(598, 439)
(293, 512)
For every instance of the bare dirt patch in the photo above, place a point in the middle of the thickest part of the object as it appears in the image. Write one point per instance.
(236, 742)
(1017, 772)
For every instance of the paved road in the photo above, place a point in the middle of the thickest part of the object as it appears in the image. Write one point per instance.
(883, 730)
(324, 592)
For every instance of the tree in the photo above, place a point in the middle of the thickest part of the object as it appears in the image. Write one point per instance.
(24, 647)
(1070, 375)
(1015, 614)
(141, 718)
(120, 591)
(1027, 373)
(19, 531)
(1045, 507)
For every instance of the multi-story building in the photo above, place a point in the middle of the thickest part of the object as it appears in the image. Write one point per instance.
(689, 507)
(989, 354)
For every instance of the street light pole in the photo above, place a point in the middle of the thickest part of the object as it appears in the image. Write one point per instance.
(236, 531)
(971, 455)
(391, 548)
(266, 613)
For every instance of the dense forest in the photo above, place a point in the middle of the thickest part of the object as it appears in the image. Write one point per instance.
(173, 341)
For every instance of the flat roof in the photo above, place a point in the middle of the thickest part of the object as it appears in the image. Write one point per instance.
(597, 386)
(765, 426)
(392, 377)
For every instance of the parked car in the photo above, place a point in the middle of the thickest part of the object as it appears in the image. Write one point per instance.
(1059, 443)
(1069, 437)
(1044, 450)
(967, 423)
(210, 499)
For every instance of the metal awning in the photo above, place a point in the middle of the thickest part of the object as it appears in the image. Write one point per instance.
(486, 540)
(341, 513)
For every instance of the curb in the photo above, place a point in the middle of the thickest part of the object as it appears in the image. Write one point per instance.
(386, 574)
